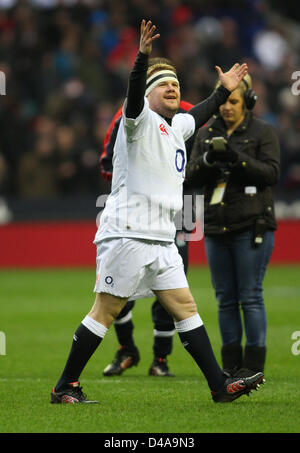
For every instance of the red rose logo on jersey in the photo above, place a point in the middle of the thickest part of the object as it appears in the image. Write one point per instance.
(163, 129)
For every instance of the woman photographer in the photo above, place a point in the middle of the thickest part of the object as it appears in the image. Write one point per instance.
(236, 158)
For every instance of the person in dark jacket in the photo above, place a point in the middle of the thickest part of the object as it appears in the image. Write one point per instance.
(236, 158)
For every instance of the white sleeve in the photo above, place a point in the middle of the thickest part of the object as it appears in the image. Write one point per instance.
(135, 127)
(186, 123)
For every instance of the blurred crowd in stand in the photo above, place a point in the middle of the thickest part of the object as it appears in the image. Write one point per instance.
(66, 65)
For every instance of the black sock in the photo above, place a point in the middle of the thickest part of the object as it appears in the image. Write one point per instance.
(162, 346)
(124, 333)
(197, 343)
(84, 345)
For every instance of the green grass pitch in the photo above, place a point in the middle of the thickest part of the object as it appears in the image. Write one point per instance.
(39, 312)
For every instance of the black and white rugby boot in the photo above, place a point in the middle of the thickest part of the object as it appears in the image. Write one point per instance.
(72, 394)
(235, 387)
(125, 358)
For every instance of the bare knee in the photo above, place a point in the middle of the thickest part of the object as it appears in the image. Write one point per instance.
(191, 307)
(179, 303)
(106, 308)
(186, 309)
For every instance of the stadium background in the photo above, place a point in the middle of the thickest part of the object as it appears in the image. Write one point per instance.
(66, 65)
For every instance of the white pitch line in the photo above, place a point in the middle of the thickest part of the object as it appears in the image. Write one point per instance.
(98, 381)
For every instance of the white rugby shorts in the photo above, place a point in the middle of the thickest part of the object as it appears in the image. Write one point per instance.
(131, 268)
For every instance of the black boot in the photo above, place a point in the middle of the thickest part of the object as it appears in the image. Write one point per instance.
(232, 357)
(254, 361)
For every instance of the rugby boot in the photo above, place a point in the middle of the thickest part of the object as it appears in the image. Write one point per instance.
(72, 394)
(124, 359)
(233, 388)
(159, 367)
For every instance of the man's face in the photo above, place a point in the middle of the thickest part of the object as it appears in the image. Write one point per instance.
(164, 99)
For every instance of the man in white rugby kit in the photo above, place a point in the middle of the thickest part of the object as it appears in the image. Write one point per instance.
(136, 254)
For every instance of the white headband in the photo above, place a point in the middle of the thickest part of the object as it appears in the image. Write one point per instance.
(158, 77)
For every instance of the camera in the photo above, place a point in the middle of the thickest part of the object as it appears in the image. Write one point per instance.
(218, 144)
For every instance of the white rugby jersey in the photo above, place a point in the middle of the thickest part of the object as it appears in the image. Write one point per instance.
(148, 172)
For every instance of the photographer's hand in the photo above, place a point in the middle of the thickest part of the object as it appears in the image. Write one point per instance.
(227, 156)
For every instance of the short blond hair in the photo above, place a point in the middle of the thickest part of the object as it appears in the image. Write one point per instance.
(160, 67)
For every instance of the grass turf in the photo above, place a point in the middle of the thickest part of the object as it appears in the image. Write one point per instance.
(40, 311)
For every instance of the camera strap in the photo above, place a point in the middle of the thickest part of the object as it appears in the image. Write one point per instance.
(219, 190)
(218, 193)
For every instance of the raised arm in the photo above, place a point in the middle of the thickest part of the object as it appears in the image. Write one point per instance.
(137, 80)
(229, 81)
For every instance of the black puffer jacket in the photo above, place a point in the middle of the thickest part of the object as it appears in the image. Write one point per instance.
(258, 166)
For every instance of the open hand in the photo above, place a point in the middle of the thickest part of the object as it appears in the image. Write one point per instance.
(147, 37)
(232, 78)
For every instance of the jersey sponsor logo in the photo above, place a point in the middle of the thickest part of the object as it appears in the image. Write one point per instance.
(163, 129)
